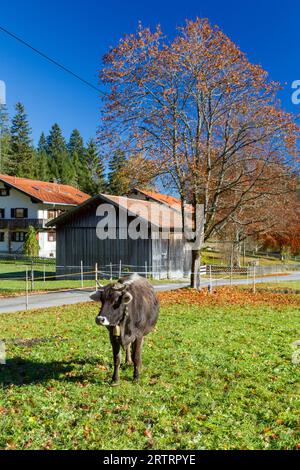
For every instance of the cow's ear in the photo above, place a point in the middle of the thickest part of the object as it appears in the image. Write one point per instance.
(96, 296)
(127, 298)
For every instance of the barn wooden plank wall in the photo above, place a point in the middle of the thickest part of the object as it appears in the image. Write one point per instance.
(77, 241)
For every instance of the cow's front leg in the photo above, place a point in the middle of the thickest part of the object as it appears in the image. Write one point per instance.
(117, 358)
(137, 357)
(128, 355)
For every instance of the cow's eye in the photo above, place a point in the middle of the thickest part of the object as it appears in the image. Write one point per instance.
(117, 302)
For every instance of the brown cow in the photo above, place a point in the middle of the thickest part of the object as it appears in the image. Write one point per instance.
(129, 310)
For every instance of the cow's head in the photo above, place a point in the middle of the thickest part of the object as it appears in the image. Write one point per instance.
(113, 298)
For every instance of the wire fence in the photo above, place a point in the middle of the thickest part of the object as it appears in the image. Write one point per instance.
(32, 279)
(213, 276)
(111, 271)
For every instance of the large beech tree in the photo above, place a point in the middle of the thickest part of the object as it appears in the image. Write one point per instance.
(208, 117)
(285, 236)
(272, 220)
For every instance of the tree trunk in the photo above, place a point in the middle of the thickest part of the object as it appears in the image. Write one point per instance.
(198, 243)
(237, 254)
(195, 274)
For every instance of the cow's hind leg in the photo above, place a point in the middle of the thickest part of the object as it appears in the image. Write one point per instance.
(128, 355)
(117, 358)
(137, 357)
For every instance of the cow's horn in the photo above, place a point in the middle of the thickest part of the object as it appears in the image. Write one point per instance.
(127, 298)
(99, 285)
(119, 286)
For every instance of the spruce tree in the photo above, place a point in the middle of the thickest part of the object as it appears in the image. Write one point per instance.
(4, 139)
(118, 182)
(42, 145)
(60, 165)
(77, 156)
(21, 154)
(96, 180)
(42, 167)
(76, 143)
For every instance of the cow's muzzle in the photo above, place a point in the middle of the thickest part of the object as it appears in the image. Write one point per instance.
(102, 321)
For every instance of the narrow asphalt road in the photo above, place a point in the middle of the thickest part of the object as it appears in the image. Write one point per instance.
(74, 296)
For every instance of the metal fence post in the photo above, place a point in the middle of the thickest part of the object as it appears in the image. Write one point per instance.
(81, 270)
(146, 270)
(44, 273)
(27, 287)
(120, 269)
(254, 286)
(111, 271)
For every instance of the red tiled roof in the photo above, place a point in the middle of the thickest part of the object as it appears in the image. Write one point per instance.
(171, 201)
(51, 193)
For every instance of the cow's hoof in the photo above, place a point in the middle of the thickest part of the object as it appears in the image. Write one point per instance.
(136, 380)
(128, 363)
(114, 383)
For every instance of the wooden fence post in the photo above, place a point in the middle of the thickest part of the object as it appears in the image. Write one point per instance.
(254, 285)
(96, 275)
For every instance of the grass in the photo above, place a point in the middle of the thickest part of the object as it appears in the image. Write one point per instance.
(215, 257)
(214, 377)
(289, 286)
(11, 268)
(13, 274)
(295, 285)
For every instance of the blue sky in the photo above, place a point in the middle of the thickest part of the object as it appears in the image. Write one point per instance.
(78, 33)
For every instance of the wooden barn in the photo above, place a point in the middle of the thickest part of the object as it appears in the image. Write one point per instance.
(156, 248)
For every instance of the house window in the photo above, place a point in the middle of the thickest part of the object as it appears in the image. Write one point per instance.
(51, 236)
(4, 192)
(2, 213)
(19, 213)
(1, 236)
(52, 214)
(18, 236)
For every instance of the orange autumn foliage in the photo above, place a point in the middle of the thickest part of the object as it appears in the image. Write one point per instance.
(208, 121)
(227, 296)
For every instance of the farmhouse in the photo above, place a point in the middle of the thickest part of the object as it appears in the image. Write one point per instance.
(143, 236)
(25, 202)
(154, 196)
(163, 199)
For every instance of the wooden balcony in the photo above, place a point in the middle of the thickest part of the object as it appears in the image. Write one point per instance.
(19, 224)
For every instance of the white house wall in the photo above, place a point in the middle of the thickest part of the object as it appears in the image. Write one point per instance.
(19, 200)
(47, 249)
